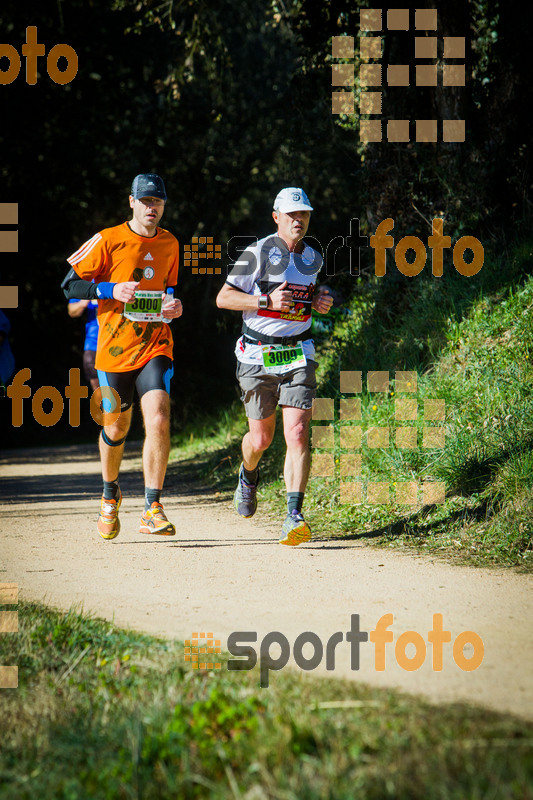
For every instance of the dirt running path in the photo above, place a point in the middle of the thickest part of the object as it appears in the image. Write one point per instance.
(223, 574)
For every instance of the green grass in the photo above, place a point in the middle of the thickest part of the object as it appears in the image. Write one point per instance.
(484, 374)
(105, 713)
(470, 342)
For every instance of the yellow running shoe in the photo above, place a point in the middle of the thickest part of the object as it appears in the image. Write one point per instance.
(295, 530)
(154, 521)
(108, 521)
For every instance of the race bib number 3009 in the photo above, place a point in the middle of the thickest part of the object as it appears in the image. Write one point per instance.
(145, 308)
(279, 358)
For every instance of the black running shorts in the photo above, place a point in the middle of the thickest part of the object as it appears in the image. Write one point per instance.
(156, 374)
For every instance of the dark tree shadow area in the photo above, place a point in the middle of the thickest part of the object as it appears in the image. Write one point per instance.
(182, 479)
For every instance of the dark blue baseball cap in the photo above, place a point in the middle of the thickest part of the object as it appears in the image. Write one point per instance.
(148, 185)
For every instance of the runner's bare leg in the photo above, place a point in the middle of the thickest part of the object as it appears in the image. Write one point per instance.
(257, 440)
(298, 459)
(111, 457)
(155, 406)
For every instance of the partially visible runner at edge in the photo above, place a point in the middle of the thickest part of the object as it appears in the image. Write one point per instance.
(273, 284)
(131, 353)
(76, 308)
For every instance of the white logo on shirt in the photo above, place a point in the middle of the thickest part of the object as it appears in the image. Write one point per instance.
(148, 257)
(308, 255)
(148, 273)
(274, 255)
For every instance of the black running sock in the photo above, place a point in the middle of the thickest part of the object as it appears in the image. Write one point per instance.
(151, 496)
(249, 477)
(111, 490)
(295, 501)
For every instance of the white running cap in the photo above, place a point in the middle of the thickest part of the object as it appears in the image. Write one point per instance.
(292, 199)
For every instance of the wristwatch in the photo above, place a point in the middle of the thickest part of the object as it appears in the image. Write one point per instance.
(263, 301)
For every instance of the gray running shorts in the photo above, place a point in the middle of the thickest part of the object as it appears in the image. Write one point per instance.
(261, 392)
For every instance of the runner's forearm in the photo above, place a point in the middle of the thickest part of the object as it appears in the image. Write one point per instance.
(236, 300)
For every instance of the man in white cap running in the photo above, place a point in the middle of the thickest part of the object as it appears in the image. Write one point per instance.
(273, 284)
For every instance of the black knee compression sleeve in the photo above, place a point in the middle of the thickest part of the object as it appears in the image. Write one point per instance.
(110, 442)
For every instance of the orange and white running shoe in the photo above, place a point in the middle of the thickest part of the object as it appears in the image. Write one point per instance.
(295, 530)
(154, 521)
(108, 521)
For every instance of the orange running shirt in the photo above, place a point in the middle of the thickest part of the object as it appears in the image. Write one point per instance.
(117, 255)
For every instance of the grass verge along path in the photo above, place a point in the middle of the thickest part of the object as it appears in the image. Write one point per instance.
(104, 712)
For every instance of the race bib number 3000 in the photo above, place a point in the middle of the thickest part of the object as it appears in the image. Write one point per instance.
(145, 308)
(279, 358)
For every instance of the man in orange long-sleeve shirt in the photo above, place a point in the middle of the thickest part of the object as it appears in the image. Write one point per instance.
(134, 267)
